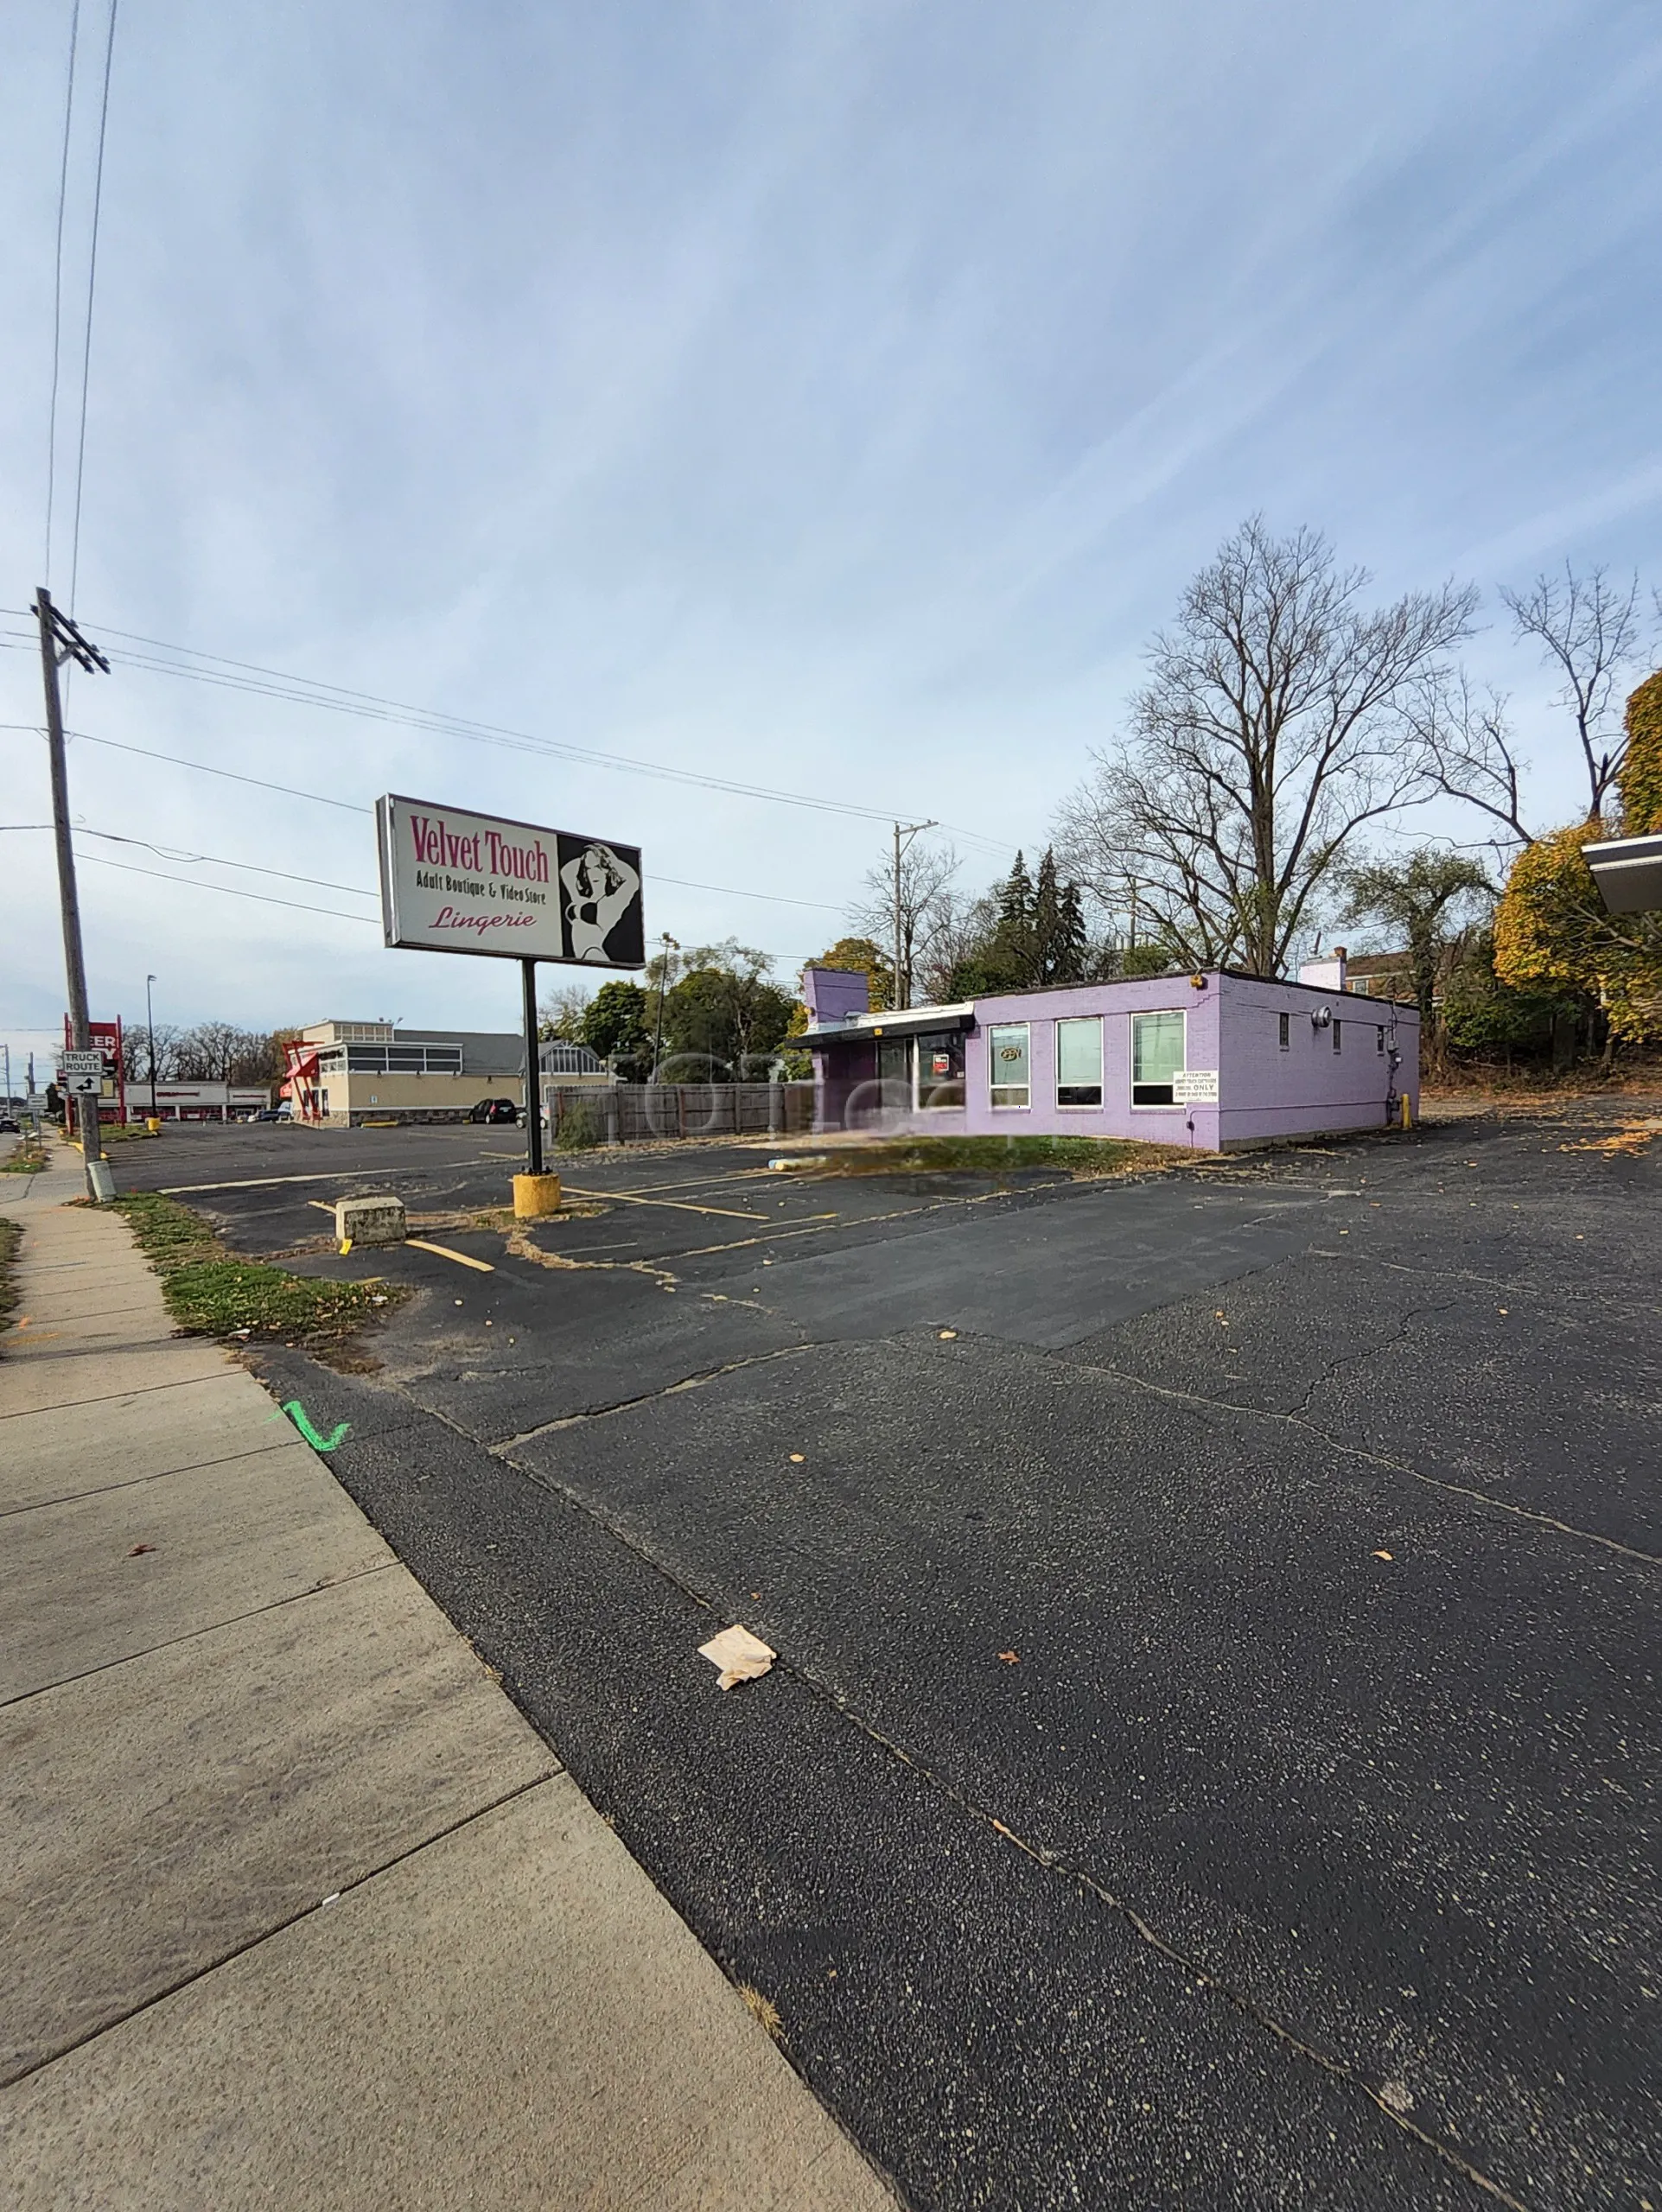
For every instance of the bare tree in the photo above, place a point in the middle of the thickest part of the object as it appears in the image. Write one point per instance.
(1472, 752)
(561, 1012)
(1589, 626)
(218, 1052)
(961, 927)
(1279, 717)
(926, 906)
(135, 1050)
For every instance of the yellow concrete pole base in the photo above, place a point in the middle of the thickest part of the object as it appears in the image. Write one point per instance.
(534, 1196)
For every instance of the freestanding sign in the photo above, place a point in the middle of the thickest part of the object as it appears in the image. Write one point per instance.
(459, 882)
(455, 881)
(100, 1056)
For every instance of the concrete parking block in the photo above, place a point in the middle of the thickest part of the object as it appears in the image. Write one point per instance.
(101, 1579)
(71, 1451)
(511, 2018)
(161, 1816)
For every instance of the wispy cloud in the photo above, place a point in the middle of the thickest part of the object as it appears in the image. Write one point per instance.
(834, 395)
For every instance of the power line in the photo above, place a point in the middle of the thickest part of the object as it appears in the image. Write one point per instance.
(280, 683)
(92, 286)
(299, 692)
(57, 294)
(229, 891)
(211, 860)
(348, 806)
(217, 860)
(202, 767)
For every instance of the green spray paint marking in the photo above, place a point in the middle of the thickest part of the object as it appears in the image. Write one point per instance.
(297, 1413)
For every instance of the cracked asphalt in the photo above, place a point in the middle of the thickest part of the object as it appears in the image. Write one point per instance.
(1212, 1757)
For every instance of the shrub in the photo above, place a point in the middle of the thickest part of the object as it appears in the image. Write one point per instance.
(582, 1128)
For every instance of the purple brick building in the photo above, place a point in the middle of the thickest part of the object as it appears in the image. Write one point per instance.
(1214, 1060)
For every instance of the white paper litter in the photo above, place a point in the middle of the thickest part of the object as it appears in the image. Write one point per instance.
(741, 1656)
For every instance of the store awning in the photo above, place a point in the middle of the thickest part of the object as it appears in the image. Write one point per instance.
(916, 1021)
(1628, 873)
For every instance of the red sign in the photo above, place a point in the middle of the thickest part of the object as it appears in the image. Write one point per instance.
(103, 1037)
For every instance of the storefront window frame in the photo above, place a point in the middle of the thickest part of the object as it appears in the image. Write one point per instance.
(1147, 1013)
(1010, 1104)
(1077, 1105)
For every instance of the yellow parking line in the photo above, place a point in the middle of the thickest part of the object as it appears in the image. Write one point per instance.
(680, 1205)
(445, 1252)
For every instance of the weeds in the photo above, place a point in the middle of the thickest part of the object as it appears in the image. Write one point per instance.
(210, 1293)
(582, 1128)
(10, 1237)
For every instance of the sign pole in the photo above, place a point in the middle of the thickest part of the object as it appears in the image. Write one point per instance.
(533, 1075)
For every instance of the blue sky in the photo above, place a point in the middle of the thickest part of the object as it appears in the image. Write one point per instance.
(831, 396)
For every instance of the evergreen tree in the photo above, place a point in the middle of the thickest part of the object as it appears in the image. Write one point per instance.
(1016, 896)
(1047, 919)
(1071, 951)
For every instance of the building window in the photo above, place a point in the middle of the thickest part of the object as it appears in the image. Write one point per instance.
(1157, 1054)
(1283, 1024)
(940, 1069)
(894, 1071)
(1338, 1036)
(1009, 1073)
(1079, 1062)
(1379, 1039)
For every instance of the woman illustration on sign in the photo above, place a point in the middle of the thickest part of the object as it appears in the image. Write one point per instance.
(598, 888)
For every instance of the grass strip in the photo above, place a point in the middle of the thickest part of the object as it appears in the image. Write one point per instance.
(26, 1158)
(10, 1237)
(211, 1293)
(990, 1155)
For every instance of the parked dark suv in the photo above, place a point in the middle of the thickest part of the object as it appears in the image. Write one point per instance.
(494, 1109)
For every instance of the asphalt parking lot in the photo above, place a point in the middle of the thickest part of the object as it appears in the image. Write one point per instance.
(1212, 1752)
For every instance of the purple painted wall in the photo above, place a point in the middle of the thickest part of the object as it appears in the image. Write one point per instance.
(1231, 1025)
(832, 994)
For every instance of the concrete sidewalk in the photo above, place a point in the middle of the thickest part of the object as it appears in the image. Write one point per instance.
(295, 1908)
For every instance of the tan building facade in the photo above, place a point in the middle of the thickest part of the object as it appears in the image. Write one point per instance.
(342, 1074)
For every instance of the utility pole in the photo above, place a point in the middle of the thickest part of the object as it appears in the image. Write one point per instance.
(903, 831)
(670, 945)
(60, 641)
(150, 1024)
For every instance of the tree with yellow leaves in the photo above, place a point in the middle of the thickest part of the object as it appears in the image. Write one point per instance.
(1552, 929)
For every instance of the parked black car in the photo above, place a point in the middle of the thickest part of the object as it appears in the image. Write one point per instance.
(274, 1114)
(494, 1109)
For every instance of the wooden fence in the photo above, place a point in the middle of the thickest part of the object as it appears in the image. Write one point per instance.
(626, 1113)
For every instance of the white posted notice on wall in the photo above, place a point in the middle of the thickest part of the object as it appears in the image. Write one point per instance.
(1195, 1087)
